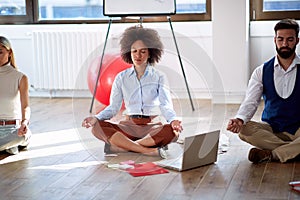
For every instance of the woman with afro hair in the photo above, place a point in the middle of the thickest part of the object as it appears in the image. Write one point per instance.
(143, 88)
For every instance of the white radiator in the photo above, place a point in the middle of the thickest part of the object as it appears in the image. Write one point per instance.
(60, 56)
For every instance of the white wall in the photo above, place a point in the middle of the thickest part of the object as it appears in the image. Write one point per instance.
(218, 56)
(230, 40)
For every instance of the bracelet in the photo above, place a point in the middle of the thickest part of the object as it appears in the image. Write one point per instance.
(23, 120)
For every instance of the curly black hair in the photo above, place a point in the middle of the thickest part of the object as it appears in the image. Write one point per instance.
(150, 38)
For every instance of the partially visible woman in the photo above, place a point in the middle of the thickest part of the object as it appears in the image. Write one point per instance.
(143, 88)
(14, 101)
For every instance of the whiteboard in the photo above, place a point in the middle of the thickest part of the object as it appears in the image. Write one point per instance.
(138, 7)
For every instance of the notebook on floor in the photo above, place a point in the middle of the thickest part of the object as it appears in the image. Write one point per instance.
(198, 150)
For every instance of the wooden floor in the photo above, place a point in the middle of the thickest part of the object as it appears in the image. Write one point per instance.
(64, 161)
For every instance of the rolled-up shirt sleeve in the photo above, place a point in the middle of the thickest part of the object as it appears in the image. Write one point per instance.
(166, 104)
(253, 96)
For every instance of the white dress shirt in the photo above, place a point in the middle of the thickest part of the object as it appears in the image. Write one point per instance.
(284, 84)
(148, 96)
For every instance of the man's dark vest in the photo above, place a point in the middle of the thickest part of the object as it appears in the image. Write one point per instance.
(281, 114)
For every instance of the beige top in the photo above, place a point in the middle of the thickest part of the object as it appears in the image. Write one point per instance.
(10, 104)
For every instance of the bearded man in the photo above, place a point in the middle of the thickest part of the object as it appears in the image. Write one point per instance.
(277, 136)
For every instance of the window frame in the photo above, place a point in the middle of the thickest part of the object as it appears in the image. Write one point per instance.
(32, 17)
(257, 13)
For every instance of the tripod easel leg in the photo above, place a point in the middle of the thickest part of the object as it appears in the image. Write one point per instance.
(102, 56)
(184, 76)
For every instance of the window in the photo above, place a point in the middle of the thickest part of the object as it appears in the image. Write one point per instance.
(274, 9)
(14, 7)
(279, 5)
(88, 11)
(16, 11)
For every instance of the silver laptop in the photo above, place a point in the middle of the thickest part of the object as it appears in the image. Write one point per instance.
(198, 150)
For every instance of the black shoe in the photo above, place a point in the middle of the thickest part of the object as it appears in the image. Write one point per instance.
(107, 148)
(260, 155)
(24, 148)
(165, 147)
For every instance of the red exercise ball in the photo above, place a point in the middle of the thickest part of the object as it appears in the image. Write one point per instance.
(112, 64)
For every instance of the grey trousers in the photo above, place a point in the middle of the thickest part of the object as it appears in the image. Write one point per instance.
(9, 137)
(284, 146)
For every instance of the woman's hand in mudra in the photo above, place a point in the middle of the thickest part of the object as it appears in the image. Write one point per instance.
(89, 122)
(176, 125)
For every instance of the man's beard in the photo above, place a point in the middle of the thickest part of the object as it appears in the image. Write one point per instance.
(288, 52)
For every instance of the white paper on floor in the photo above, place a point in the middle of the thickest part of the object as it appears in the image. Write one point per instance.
(223, 143)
